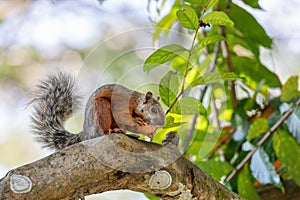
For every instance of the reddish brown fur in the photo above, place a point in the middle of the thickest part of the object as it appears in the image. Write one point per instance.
(116, 109)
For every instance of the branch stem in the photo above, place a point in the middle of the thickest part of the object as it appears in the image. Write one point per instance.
(211, 68)
(188, 60)
(260, 143)
(186, 71)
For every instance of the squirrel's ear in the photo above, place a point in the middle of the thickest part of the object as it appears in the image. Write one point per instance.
(148, 96)
(157, 98)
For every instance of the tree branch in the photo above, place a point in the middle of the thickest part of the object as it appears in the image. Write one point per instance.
(261, 142)
(110, 163)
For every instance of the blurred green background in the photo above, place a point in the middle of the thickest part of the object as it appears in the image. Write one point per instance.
(100, 42)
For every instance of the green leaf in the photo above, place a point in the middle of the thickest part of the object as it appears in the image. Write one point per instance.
(290, 89)
(248, 104)
(197, 49)
(211, 3)
(169, 87)
(163, 55)
(258, 127)
(150, 197)
(191, 77)
(164, 25)
(211, 39)
(231, 149)
(248, 27)
(218, 18)
(216, 169)
(288, 151)
(252, 3)
(215, 77)
(197, 142)
(245, 185)
(194, 73)
(187, 106)
(254, 71)
(188, 17)
(293, 123)
(193, 2)
(170, 122)
(179, 65)
(263, 170)
(203, 3)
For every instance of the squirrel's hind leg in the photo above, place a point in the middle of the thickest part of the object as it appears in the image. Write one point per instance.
(104, 116)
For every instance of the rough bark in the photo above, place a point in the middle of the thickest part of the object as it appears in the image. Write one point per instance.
(292, 191)
(110, 163)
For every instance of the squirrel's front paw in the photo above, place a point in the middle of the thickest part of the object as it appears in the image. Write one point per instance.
(140, 122)
(117, 130)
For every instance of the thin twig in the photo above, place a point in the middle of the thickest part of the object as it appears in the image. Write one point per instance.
(211, 68)
(188, 60)
(185, 73)
(260, 143)
(227, 56)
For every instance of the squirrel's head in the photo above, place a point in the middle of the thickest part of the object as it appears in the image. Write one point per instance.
(152, 110)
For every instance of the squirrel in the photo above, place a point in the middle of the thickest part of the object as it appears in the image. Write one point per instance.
(111, 108)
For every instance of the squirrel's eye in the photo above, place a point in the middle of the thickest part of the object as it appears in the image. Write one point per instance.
(154, 110)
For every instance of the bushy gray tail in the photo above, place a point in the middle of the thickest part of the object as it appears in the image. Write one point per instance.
(54, 100)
